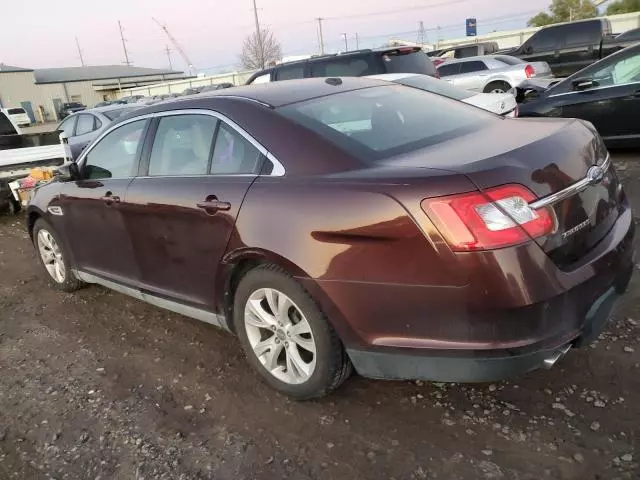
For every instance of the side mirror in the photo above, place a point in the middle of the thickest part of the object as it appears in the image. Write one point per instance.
(527, 50)
(580, 84)
(69, 172)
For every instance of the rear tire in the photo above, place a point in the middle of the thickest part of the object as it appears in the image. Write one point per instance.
(54, 257)
(286, 337)
(497, 87)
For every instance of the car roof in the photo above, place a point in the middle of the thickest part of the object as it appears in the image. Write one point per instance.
(277, 94)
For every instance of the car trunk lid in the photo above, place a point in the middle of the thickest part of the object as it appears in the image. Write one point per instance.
(553, 159)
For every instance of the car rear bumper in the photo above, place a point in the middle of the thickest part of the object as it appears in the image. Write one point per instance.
(481, 366)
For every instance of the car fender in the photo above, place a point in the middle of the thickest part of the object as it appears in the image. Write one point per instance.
(500, 77)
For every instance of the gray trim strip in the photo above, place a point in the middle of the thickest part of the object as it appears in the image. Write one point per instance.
(571, 190)
(278, 168)
(595, 89)
(187, 311)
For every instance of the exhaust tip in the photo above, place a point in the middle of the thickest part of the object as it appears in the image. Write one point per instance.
(555, 356)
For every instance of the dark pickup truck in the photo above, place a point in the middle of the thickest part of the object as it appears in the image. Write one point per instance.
(569, 47)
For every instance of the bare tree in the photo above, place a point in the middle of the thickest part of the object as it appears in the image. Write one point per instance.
(260, 50)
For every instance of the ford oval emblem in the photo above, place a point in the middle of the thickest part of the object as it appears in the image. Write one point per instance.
(595, 174)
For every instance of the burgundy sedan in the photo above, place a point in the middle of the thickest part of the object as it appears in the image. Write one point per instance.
(334, 224)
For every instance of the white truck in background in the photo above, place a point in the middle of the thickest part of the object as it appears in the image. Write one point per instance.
(19, 153)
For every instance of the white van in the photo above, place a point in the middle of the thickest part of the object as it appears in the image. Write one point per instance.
(19, 116)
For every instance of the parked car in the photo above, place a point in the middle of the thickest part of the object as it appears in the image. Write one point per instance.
(491, 73)
(69, 108)
(607, 94)
(81, 128)
(351, 64)
(19, 116)
(465, 50)
(632, 35)
(192, 90)
(569, 47)
(499, 103)
(396, 231)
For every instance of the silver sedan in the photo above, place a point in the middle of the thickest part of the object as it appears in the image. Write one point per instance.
(491, 73)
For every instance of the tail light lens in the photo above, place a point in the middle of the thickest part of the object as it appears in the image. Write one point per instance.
(529, 71)
(496, 218)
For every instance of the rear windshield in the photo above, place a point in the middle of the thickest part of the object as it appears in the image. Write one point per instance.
(380, 122)
(412, 62)
(116, 113)
(15, 111)
(509, 60)
(6, 127)
(434, 85)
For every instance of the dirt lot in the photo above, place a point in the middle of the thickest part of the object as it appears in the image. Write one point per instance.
(97, 386)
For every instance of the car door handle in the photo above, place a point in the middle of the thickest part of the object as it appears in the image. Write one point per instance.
(110, 198)
(637, 94)
(212, 205)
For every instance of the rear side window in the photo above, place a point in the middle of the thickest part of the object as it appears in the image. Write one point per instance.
(344, 67)
(6, 127)
(290, 72)
(234, 154)
(449, 69)
(85, 124)
(16, 111)
(182, 145)
(380, 122)
(413, 62)
(473, 66)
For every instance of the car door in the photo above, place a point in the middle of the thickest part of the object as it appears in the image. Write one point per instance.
(184, 208)
(92, 206)
(613, 103)
(85, 126)
(472, 75)
(449, 71)
(68, 126)
(544, 46)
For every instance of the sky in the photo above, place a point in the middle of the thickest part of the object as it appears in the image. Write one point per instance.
(41, 33)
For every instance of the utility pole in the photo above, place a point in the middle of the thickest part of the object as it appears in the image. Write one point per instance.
(421, 34)
(320, 36)
(258, 34)
(168, 52)
(357, 42)
(124, 46)
(79, 52)
(346, 45)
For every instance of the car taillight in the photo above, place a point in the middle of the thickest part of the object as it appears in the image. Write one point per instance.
(496, 218)
(529, 71)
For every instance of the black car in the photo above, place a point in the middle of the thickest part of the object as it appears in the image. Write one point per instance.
(71, 107)
(607, 94)
(358, 63)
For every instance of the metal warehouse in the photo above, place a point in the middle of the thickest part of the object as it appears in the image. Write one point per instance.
(41, 92)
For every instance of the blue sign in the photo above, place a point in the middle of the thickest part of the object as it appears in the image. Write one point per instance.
(471, 27)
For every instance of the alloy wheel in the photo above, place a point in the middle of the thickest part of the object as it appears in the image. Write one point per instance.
(280, 336)
(51, 256)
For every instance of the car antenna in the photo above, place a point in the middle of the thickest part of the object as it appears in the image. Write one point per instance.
(334, 81)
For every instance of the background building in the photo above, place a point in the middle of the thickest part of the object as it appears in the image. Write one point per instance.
(41, 92)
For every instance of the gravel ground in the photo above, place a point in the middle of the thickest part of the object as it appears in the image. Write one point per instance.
(95, 385)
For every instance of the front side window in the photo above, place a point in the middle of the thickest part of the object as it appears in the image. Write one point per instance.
(473, 66)
(182, 145)
(85, 124)
(234, 154)
(116, 154)
(619, 72)
(266, 78)
(380, 122)
(544, 40)
(68, 125)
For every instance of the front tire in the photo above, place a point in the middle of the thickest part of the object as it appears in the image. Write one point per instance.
(286, 337)
(497, 87)
(54, 258)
